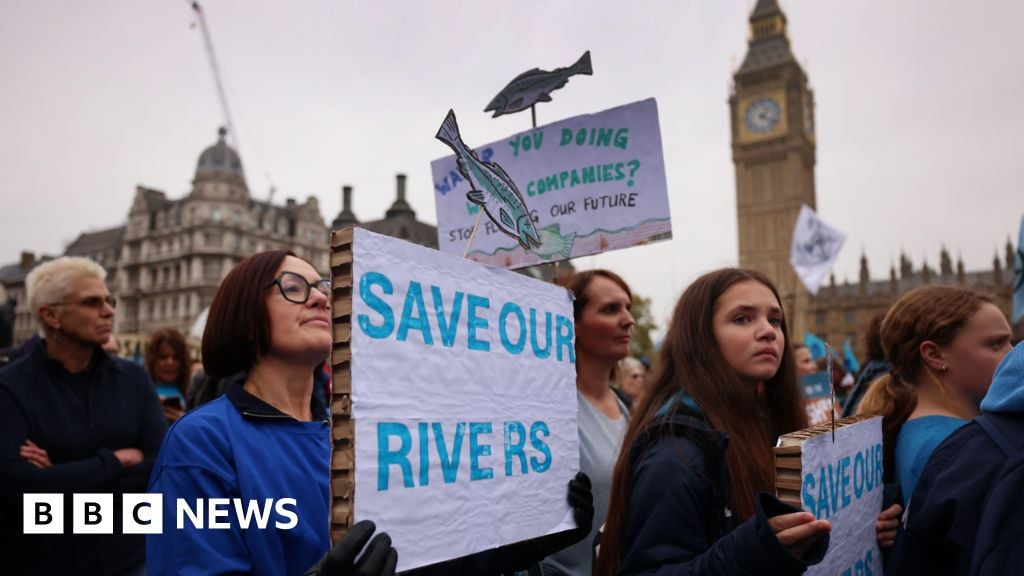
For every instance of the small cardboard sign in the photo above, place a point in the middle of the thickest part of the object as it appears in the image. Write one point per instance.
(839, 480)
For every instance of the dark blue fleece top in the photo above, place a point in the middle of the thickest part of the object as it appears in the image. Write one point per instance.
(239, 447)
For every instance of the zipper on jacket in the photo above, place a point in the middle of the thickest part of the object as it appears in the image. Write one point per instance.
(269, 416)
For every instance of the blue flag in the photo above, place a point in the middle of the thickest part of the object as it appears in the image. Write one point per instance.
(815, 345)
(816, 385)
(849, 358)
(1018, 277)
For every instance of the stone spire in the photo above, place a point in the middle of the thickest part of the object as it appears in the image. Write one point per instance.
(906, 267)
(769, 45)
(961, 277)
(945, 263)
(1011, 261)
(865, 276)
(997, 270)
(346, 217)
(400, 206)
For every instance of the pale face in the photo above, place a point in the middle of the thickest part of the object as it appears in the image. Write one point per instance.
(971, 358)
(605, 326)
(87, 315)
(748, 329)
(299, 332)
(633, 382)
(168, 365)
(805, 363)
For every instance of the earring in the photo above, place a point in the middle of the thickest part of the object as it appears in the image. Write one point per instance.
(944, 368)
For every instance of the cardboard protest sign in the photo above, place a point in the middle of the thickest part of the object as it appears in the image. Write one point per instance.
(840, 481)
(461, 426)
(592, 183)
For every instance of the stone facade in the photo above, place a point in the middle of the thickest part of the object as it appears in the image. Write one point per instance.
(772, 117)
(166, 262)
(773, 145)
(175, 252)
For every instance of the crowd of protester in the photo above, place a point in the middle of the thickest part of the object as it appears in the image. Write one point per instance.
(676, 463)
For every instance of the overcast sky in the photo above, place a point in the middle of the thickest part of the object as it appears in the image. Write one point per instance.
(919, 110)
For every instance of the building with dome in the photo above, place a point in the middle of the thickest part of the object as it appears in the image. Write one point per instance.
(175, 252)
(166, 262)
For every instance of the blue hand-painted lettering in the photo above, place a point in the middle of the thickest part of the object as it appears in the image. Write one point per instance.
(387, 325)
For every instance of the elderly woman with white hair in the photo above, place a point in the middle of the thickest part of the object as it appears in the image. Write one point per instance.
(74, 420)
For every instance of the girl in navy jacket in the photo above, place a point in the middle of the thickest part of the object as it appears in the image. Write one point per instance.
(681, 502)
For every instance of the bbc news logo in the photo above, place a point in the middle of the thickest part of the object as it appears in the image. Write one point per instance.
(144, 514)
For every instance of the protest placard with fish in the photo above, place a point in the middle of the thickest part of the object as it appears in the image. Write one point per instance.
(535, 86)
(594, 183)
(494, 189)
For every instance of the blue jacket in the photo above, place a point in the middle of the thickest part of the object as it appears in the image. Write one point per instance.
(80, 420)
(678, 522)
(239, 447)
(945, 532)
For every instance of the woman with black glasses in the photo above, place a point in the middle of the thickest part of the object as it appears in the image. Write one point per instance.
(73, 420)
(261, 451)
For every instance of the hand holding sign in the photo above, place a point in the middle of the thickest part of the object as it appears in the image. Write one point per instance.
(887, 525)
(379, 560)
(798, 531)
(581, 499)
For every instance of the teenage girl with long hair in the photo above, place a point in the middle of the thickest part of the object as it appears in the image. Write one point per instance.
(681, 501)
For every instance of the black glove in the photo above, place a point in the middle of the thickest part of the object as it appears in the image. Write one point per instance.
(378, 560)
(582, 501)
(521, 555)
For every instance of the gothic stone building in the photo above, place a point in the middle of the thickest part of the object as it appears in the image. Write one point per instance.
(774, 152)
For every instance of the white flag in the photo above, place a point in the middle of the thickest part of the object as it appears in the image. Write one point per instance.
(815, 247)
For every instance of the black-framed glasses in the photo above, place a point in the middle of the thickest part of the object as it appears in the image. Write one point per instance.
(96, 302)
(295, 288)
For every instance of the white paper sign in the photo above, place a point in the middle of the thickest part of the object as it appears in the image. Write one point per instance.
(815, 248)
(593, 183)
(464, 401)
(842, 483)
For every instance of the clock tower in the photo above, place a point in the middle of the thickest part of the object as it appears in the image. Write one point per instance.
(772, 112)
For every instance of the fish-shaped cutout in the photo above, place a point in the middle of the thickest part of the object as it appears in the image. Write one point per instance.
(552, 242)
(535, 86)
(493, 189)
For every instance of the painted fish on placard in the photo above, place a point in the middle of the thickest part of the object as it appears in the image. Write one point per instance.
(535, 86)
(493, 189)
(552, 242)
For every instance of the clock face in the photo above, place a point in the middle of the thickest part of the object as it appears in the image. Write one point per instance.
(762, 115)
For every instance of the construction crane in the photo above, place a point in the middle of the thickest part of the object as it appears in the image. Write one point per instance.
(212, 55)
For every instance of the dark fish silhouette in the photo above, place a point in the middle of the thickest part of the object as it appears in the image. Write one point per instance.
(535, 86)
(493, 189)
